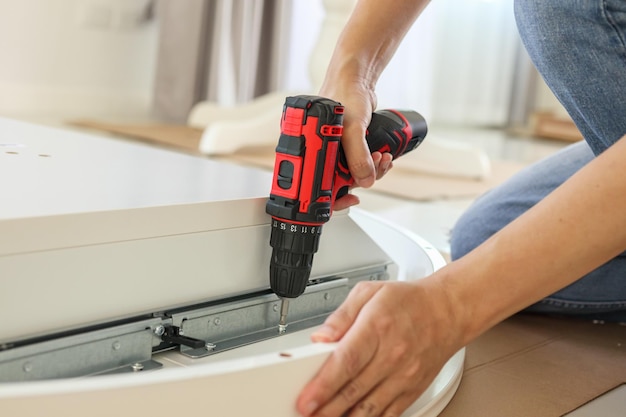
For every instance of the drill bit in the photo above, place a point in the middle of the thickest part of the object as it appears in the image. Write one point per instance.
(284, 308)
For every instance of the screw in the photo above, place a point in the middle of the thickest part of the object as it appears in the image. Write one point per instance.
(116, 345)
(210, 346)
(27, 367)
(217, 321)
(159, 330)
(136, 367)
(275, 307)
(326, 296)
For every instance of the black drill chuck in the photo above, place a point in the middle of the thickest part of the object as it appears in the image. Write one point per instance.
(293, 247)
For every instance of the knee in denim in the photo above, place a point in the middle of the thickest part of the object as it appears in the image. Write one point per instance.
(544, 25)
(466, 234)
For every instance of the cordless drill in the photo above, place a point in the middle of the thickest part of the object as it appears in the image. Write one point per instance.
(310, 173)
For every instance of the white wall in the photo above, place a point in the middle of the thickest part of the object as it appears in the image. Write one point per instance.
(307, 18)
(74, 58)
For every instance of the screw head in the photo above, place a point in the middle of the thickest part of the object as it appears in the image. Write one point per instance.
(159, 330)
(136, 367)
(27, 367)
(116, 345)
(217, 321)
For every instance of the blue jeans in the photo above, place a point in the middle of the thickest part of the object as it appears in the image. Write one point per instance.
(579, 47)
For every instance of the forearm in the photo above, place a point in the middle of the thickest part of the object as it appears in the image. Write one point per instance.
(370, 38)
(578, 227)
(368, 41)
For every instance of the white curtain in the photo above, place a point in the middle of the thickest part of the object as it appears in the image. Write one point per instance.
(461, 63)
(225, 51)
(246, 34)
(458, 64)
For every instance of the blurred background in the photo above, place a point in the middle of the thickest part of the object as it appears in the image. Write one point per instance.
(462, 64)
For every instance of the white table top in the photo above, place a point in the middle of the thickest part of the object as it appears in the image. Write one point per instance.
(46, 171)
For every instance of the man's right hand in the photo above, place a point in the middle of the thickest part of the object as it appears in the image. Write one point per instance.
(359, 102)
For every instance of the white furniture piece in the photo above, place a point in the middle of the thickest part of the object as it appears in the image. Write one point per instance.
(134, 279)
(256, 123)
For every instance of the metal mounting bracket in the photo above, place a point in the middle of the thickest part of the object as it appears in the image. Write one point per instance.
(197, 331)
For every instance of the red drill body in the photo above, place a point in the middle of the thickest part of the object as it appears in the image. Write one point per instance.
(311, 172)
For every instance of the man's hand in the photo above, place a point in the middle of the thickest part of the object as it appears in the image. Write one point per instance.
(394, 337)
(359, 103)
(382, 164)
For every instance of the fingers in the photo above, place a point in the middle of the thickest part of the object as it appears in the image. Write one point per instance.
(360, 101)
(363, 393)
(338, 323)
(374, 391)
(358, 155)
(394, 391)
(364, 167)
(387, 353)
(347, 361)
(337, 386)
(346, 201)
(384, 400)
(367, 373)
(382, 163)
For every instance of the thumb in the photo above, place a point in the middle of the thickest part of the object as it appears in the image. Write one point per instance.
(358, 155)
(340, 321)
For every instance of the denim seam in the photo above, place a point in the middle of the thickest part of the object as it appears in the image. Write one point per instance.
(584, 305)
(614, 26)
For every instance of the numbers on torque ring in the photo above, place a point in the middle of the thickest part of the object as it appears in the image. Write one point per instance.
(295, 228)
